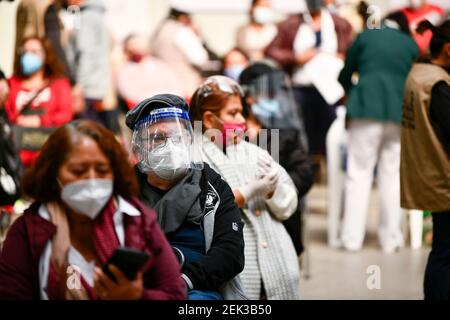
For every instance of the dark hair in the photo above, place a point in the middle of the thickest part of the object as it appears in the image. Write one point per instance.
(254, 71)
(53, 68)
(235, 49)
(214, 103)
(400, 18)
(40, 180)
(175, 13)
(441, 35)
(254, 2)
(361, 9)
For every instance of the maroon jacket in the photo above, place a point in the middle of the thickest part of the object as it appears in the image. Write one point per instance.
(281, 49)
(28, 236)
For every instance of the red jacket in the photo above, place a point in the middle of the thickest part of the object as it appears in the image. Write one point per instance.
(56, 100)
(414, 16)
(28, 236)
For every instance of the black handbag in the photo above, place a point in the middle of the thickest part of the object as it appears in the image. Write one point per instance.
(32, 139)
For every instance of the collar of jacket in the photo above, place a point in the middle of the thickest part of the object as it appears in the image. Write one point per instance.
(179, 204)
(39, 230)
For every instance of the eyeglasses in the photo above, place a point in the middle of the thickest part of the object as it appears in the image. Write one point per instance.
(159, 140)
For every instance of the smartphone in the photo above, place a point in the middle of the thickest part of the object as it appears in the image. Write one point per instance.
(128, 260)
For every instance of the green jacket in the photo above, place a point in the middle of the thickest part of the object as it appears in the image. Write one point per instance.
(382, 58)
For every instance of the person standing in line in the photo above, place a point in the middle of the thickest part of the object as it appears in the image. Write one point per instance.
(254, 37)
(302, 38)
(178, 43)
(382, 58)
(425, 153)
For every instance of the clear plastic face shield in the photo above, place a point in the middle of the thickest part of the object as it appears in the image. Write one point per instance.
(231, 132)
(218, 84)
(273, 102)
(163, 144)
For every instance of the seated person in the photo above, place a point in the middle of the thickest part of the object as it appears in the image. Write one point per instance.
(85, 208)
(195, 207)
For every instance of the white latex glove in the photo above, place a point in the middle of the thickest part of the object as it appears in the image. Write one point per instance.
(267, 175)
(268, 169)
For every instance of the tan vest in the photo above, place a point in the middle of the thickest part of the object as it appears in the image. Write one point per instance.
(425, 159)
(164, 47)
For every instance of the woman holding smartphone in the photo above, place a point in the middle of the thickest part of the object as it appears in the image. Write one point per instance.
(84, 209)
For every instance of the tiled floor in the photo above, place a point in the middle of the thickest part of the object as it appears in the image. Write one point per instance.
(337, 274)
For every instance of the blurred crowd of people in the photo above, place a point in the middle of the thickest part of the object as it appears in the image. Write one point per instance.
(219, 215)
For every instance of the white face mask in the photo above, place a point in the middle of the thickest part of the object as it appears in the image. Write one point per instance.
(169, 162)
(416, 4)
(263, 15)
(88, 197)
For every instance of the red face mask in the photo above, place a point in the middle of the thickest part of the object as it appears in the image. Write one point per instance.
(136, 57)
(232, 133)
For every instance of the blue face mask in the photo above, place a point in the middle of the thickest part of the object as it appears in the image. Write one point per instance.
(30, 63)
(234, 72)
(266, 108)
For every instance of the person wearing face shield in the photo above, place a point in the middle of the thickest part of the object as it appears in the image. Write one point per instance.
(254, 37)
(261, 187)
(195, 207)
(268, 103)
(382, 58)
(85, 207)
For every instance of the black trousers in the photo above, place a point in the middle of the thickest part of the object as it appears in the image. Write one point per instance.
(318, 116)
(437, 273)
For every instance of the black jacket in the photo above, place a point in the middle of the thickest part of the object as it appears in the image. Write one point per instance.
(295, 160)
(225, 258)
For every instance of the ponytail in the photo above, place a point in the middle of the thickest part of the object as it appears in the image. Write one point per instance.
(441, 35)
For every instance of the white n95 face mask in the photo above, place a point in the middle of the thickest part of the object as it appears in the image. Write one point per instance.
(169, 162)
(263, 15)
(88, 197)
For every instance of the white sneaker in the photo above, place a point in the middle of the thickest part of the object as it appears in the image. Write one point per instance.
(389, 248)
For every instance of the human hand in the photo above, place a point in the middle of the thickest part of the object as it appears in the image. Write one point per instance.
(122, 289)
(306, 56)
(267, 175)
(31, 121)
(98, 105)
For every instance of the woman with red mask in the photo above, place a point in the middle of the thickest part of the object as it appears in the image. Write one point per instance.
(261, 187)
